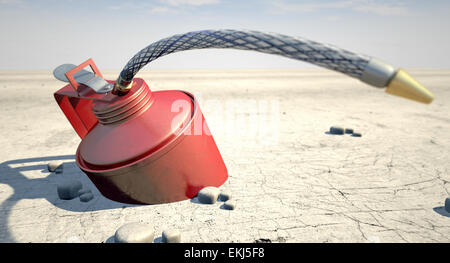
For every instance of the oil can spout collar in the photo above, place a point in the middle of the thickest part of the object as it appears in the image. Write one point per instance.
(117, 109)
(121, 86)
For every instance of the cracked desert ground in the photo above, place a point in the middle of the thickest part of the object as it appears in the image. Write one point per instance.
(293, 182)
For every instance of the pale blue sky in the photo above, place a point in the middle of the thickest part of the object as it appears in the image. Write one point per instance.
(43, 34)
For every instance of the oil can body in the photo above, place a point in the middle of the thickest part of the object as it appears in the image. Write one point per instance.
(145, 147)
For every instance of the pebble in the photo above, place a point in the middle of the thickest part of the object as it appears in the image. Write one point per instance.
(356, 134)
(134, 233)
(55, 166)
(336, 130)
(171, 236)
(229, 205)
(348, 131)
(84, 191)
(225, 196)
(447, 204)
(263, 240)
(208, 195)
(68, 189)
(86, 197)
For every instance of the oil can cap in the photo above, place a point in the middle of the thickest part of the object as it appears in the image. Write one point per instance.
(135, 126)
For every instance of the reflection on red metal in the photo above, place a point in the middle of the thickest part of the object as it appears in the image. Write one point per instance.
(144, 147)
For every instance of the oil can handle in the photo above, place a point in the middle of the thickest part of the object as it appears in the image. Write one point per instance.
(70, 74)
(75, 100)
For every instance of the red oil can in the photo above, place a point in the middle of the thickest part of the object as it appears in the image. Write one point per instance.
(143, 147)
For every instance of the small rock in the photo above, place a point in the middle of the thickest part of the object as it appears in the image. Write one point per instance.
(225, 196)
(134, 233)
(86, 197)
(208, 195)
(336, 130)
(229, 205)
(447, 204)
(348, 131)
(263, 240)
(171, 236)
(356, 134)
(55, 166)
(281, 239)
(68, 189)
(84, 191)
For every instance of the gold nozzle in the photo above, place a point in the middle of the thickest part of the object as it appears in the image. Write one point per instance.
(403, 85)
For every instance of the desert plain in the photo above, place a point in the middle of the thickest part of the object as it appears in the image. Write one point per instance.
(292, 181)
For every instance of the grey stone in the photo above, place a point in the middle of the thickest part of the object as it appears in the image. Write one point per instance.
(55, 166)
(171, 236)
(263, 240)
(229, 205)
(337, 130)
(84, 191)
(208, 195)
(348, 131)
(135, 232)
(447, 204)
(86, 197)
(68, 189)
(225, 196)
(356, 134)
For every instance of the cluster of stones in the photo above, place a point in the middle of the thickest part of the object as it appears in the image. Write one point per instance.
(69, 189)
(138, 232)
(337, 130)
(210, 195)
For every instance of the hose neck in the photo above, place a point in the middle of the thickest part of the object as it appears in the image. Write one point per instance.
(122, 86)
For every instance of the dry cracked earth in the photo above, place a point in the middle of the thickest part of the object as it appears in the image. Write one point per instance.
(293, 182)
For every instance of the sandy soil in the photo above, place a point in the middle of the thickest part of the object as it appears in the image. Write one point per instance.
(293, 182)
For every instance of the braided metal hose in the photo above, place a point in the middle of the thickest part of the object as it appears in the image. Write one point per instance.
(364, 68)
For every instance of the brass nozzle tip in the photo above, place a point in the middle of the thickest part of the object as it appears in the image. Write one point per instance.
(403, 85)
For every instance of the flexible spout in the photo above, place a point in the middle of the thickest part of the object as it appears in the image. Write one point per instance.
(364, 68)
